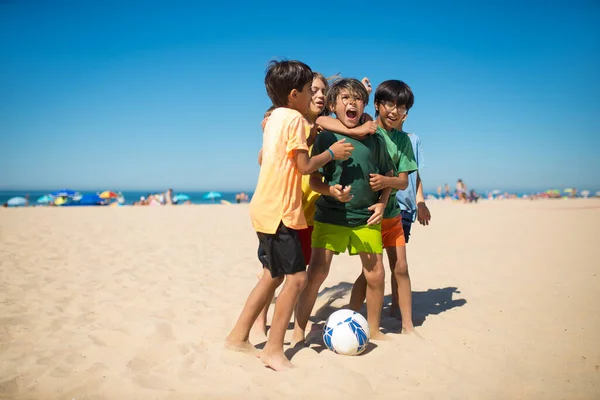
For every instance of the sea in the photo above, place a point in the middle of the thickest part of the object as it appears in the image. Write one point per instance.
(197, 197)
(129, 196)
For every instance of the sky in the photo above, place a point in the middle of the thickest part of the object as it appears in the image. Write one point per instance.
(131, 95)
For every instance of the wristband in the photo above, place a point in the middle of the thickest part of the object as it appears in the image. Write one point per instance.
(331, 152)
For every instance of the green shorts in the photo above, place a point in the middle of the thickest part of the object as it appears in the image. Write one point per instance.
(338, 238)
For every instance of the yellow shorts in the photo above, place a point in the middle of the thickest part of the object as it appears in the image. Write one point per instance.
(338, 238)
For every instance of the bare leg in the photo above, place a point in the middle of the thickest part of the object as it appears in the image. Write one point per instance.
(374, 275)
(392, 258)
(264, 290)
(359, 293)
(397, 257)
(273, 355)
(260, 326)
(320, 261)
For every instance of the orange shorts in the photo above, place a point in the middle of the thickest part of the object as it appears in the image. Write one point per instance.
(392, 233)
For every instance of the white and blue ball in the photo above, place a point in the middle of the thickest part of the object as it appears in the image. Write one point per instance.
(346, 332)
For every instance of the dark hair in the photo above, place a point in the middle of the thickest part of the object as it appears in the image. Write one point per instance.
(284, 76)
(395, 91)
(353, 86)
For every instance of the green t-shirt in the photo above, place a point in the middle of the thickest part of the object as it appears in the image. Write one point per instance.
(370, 156)
(403, 158)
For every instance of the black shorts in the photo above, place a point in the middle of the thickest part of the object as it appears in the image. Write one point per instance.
(281, 252)
(407, 221)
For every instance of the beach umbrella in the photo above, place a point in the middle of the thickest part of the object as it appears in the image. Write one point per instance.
(585, 193)
(496, 191)
(64, 193)
(108, 195)
(45, 199)
(16, 201)
(568, 190)
(212, 195)
(90, 200)
(180, 198)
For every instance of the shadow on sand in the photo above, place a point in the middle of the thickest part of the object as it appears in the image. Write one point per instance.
(425, 304)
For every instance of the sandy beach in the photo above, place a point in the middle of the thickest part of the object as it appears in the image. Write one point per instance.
(134, 303)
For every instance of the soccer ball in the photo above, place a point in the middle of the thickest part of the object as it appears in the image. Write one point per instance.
(346, 332)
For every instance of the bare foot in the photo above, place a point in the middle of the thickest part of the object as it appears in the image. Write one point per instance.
(378, 335)
(277, 362)
(240, 346)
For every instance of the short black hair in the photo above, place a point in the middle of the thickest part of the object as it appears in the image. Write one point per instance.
(395, 91)
(284, 76)
(353, 86)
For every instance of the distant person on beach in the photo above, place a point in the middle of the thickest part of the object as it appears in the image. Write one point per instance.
(461, 191)
(446, 191)
(276, 207)
(348, 213)
(393, 100)
(473, 196)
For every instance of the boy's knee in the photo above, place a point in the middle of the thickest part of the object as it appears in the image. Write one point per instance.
(376, 274)
(401, 268)
(298, 280)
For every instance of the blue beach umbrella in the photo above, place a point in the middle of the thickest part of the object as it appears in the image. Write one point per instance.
(16, 201)
(64, 193)
(180, 198)
(45, 199)
(212, 195)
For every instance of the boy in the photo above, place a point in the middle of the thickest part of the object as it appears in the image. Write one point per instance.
(276, 207)
(393, 99)
(348, 213)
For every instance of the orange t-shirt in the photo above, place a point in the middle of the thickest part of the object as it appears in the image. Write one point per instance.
(278, 194)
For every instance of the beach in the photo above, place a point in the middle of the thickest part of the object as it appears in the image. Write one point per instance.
(134, 303)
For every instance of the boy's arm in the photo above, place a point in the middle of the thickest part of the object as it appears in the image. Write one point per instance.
(340, 150)
(379, 207)
(318, 185)
(335, 125)
(423, 214)
(380, 182)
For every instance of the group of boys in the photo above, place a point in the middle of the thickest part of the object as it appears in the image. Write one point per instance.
(364, 205)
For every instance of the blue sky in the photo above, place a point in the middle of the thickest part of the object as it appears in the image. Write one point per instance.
(147, 95)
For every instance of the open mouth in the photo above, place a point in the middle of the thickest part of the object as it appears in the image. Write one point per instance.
(351, 114)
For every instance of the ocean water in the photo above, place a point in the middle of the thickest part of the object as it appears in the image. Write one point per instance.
(130, 196)
(198, 197)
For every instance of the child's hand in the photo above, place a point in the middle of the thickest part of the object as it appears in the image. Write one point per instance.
(423, 214)
(365, 81)
(377, 216)
(378, 182)
(365, 129)
(341, 150)
(341, 194)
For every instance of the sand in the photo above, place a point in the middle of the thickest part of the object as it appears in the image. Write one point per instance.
(134, 303)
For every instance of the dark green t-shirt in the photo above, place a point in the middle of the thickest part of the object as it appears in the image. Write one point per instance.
(370, 156)
(403, 158)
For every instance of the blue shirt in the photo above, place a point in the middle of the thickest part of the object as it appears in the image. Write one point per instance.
(407, 198)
